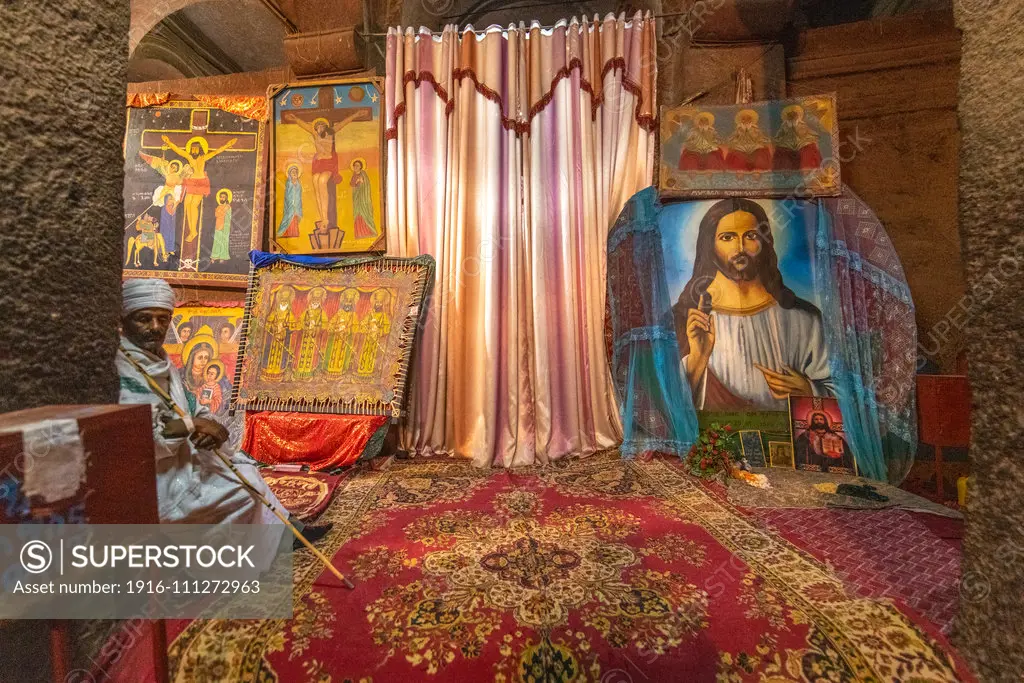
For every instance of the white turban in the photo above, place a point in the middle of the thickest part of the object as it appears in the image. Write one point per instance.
(139, 294)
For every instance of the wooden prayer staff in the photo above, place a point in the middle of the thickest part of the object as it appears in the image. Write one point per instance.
(241, 478)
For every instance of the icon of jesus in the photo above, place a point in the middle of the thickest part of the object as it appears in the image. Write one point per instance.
(197, 186)
(747, 341)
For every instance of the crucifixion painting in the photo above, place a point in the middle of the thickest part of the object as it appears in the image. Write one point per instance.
(327, 167)
(195, 172)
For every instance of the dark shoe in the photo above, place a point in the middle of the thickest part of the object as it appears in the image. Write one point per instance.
(312, 534)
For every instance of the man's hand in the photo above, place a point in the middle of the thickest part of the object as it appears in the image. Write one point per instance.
(208, 434)
(782, 384)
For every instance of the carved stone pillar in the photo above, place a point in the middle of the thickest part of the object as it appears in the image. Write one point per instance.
(61, 219)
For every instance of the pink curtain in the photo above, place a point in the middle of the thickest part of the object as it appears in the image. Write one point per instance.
(509, 155)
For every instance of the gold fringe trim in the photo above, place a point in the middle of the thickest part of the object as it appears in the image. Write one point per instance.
(255, 108)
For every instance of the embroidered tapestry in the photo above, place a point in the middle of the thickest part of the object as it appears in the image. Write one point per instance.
(193, 191)
(330, 335)
(778, 148)
(203, 344)
(327, 170)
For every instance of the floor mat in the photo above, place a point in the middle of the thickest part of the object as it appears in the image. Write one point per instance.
(881, 554)
(588, 570)
(304, 494)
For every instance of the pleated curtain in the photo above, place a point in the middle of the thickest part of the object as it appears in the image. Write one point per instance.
(510, 152)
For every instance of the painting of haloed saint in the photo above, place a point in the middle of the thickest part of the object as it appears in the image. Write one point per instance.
(202, 343)
(327, 172)
(747, 318)
(193, 193)
(819, 442)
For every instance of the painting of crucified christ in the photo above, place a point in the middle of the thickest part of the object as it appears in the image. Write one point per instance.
(327, 167)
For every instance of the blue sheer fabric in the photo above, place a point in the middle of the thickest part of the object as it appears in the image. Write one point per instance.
(655, 403)
(867, 313)
(872, 333)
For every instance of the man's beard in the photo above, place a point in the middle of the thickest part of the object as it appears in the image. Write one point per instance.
(749, 271)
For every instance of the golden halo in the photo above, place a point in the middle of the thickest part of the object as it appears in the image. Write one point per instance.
(203, 336)
(215, 364)
(318, 288)
(173, 162)
(224, 190)
(284, 288)
(360, 160)
(793, 108)
(381, 295)
(747, 112)
(201, 141)
(289, 167)
(321, 120)
(705, 116)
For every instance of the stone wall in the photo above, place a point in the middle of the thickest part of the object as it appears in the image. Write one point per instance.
(990, 631)
(62, 106)
(896, 80)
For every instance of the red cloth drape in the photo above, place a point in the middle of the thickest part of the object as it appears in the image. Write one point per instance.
(318, 440)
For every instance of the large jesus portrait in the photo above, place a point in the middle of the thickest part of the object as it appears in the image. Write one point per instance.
(747, 340)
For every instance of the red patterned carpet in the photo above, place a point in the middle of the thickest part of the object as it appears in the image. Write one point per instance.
(593, 570)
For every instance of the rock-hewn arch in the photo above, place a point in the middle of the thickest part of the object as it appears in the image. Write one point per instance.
(190, 38)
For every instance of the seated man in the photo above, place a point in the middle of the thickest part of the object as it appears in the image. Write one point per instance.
(194, 486)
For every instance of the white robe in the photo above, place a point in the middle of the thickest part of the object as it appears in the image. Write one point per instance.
(193, 486)
(772, 337)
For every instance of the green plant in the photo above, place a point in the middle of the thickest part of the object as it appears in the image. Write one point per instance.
(717, 450)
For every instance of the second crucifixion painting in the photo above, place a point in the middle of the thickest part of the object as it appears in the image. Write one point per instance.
(327, 172)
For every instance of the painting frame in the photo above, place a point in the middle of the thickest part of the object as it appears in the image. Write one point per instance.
(764, 184)
(774, 447)
(255, 241)
(755, 457)
(379, 246)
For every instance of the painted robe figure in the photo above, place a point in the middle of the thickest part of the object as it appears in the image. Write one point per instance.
(312, 325)
(821, 449)
(281, 323)
(362, 202)
(211, 393)
(292, 214)
(341, 341)
(749, 148)
(222, 228)
(747, 340)
(702, 148)
(197, 357)
(796, 144)
(168, 226)
(375, 328)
